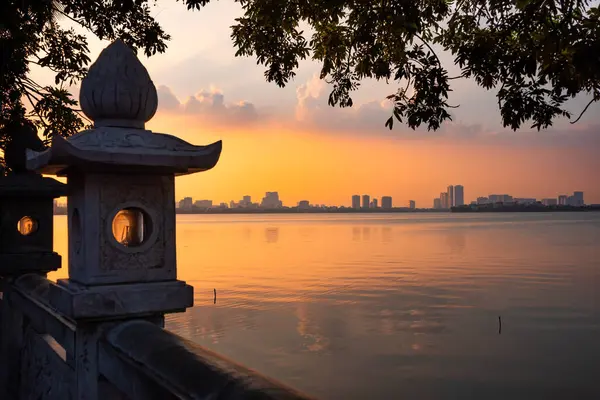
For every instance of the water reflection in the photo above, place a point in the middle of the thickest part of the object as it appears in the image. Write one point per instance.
(386, 234)
(309, 331)
(337, 311)
(272, 235)
(457, 240)
(356, 236)
(366, 233)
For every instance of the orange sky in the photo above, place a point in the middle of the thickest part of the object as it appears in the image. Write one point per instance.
(328, 169)
(289, 140)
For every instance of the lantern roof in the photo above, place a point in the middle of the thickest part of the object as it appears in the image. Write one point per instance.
(119, 97)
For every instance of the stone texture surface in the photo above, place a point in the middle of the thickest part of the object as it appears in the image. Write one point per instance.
(119, 96)
(117, 90)
(112, 149)
(95, 257)
(189, 370)
(28, 195)
(24, 263)
(44, 375)
(118, 301)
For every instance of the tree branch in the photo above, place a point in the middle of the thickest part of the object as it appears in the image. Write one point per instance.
(436, 56)
(34, 110)
(430, 48)
(584, 110)
(81, 23)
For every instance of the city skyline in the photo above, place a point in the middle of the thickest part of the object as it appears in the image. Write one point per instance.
(366, 201)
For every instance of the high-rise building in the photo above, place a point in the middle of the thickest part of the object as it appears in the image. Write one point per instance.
(386, 202)
(459, 195)
(578, 197)
(271, 200)
(366, 201)
(374, 203)
(356, 201)
(412, 205)
(246, 201)
(562, 200)
(450, 196)
(444, 200)
(303, 205)
(437, 204)
(186, 203)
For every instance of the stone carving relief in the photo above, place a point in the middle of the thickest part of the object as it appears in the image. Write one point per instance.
(44, 375)
(151, 195)
(111, 139)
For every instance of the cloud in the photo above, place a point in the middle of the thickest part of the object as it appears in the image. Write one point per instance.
(308, 97)
(207, 103)
(312, 112)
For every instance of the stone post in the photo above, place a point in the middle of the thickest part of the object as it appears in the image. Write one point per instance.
(26, 235)
(121, 208)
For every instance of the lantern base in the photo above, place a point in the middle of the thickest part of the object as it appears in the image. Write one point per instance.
(25, 263)
(78, 301)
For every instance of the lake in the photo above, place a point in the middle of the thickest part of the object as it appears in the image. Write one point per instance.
(398, 306)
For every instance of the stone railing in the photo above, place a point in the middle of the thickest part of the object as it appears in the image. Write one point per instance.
(45, 354)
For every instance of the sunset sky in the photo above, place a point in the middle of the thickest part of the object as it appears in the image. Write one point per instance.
(289, 140)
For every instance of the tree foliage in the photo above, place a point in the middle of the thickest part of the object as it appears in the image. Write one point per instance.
(537, 54)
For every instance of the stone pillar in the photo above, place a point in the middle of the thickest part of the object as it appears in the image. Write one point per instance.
(26, 235)
(121, 208)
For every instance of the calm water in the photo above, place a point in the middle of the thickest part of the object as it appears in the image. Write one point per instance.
(398, 306)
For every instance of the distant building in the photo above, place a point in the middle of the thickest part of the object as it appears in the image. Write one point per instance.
(483, 200)
(450, 196)
(525, 200)
(549, 202)
(374, 203)
(412, 204)
(500, 198)
(303, 205)
(366, 201)
(562, 200)
(271, 200)
(578, 197)
(186, 203)
(437, 203)
(459, 195)
(203, 204)
(246, 201)
(444, 200)
(356, 201)
(386, 202)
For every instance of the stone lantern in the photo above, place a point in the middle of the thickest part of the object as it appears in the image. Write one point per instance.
(121, 205)
(26, 224)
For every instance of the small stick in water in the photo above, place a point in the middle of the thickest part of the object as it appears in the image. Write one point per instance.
(499, 325)
(215, 299)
